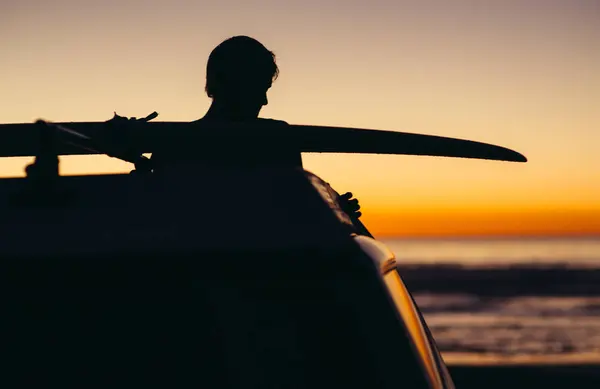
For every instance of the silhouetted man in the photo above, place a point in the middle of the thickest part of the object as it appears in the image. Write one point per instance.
(239, 73)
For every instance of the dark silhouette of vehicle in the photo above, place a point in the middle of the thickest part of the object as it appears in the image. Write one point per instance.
(204, 276)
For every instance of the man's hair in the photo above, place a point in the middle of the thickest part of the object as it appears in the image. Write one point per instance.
(239, 60)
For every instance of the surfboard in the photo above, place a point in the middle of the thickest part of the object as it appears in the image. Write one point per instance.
(22, 139)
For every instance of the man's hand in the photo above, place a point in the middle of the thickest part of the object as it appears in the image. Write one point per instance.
(350, 205)
(117, 132)
(117, 118)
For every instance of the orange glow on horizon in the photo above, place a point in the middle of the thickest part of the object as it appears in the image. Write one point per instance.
(483, 223)
(414, 215)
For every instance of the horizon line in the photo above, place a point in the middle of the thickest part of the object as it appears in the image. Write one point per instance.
(592, 236)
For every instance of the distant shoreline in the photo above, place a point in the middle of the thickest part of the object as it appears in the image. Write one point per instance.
(522, 361)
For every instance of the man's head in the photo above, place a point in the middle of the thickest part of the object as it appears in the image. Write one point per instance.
(238, 74)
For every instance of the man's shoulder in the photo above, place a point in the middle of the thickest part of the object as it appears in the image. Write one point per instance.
(258, 121)
(273, 121)
(268, 123)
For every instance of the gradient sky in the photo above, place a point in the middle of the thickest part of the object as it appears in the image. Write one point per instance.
(522, 74)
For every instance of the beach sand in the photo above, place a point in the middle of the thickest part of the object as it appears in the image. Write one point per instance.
(525, 376)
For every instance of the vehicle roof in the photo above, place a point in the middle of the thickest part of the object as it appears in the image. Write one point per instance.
(175, 273)
(206, 209)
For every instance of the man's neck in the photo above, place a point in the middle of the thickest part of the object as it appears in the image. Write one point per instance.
(219, 111)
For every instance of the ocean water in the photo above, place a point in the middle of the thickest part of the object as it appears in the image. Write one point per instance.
(507, 300)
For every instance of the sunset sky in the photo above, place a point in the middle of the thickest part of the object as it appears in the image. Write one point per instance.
(524, 74)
